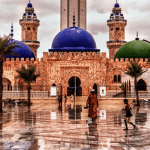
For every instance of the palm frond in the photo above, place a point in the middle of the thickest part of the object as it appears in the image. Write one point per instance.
(134, 70)
(6, 47)
(27, 74)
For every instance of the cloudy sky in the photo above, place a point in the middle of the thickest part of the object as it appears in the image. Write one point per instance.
(137, 14)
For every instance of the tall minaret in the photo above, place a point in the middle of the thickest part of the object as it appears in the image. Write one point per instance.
(29, 24)
(70, 8)
(116, 25)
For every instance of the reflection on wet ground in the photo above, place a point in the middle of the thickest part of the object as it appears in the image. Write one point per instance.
(46, 126)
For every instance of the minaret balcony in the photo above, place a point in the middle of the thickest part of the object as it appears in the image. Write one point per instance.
(110, 20)
(116, 41)
(31, 41)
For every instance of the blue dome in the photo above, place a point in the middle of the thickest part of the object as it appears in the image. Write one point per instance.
(121, 14)
(24, 51)
(112, 14)
(29, 5)
(34, 14)
(117, 13)
(29, 13)
(24, 14)
(73, 39)
(116, 5)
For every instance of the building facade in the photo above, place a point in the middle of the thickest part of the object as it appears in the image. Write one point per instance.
(74, 62)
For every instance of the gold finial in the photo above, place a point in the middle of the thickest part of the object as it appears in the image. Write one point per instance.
(74, 18)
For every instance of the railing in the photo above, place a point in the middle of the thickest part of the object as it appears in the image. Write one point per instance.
(24, 94)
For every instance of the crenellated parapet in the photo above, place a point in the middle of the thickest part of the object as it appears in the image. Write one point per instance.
(74, 55)
(131, 59)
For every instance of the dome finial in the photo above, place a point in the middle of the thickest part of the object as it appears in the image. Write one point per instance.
(137, 36)
(74, 18)
(12, 31)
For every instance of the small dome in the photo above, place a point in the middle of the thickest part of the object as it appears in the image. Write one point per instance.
(134, 49)
(24, 51)
(117, 13)
(34, 14)
(29, 5)
(73, 39)
(121, 14)
(111, 14)
(116, 5)
(24, 14)
(29, 13)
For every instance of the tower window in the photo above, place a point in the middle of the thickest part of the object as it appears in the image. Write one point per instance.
(64, 9)
(28, 28)
(119, 78)
(34, 29)
(115, 78)
(117, 28)
(122, 29)
(111, 29)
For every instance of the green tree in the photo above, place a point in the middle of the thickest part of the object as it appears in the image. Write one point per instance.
(29, 76)
(135, 70)
(6, 48)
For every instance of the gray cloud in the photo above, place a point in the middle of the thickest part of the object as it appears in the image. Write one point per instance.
(102, 6)
(95, 28)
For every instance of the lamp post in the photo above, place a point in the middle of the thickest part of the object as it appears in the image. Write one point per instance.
(75, 98)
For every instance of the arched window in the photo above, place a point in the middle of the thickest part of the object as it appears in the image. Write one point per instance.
(54, 84)
(141, 85)
(115, 78)
(119, 79)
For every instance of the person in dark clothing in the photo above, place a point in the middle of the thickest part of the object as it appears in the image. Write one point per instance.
(128, 115)
(60, 100)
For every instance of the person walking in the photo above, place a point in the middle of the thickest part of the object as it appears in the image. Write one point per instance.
(65, 98)
(92, 102)
(128, 115)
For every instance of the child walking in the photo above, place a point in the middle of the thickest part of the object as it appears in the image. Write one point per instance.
(128, 115)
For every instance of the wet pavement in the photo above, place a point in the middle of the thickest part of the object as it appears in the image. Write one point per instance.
(45, 126)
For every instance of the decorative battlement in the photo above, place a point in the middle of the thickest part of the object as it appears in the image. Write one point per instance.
(21, 59)
(73, 55)
(130, 59)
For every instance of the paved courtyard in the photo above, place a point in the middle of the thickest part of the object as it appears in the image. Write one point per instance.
(46, 126)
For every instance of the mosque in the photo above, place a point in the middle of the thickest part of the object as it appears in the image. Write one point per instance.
(74, 60)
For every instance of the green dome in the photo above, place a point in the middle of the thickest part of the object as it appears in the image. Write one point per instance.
(134, 49)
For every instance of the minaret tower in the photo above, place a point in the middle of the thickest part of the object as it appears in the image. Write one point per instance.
(71, 7)
(29, 24)
(116, 25)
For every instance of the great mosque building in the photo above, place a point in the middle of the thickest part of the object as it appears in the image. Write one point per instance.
(74, 55)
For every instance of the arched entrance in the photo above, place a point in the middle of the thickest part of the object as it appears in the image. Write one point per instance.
(141, 85)
(6, 84)
(71, 88)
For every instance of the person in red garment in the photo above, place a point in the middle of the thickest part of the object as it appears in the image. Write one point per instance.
(92, 102)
